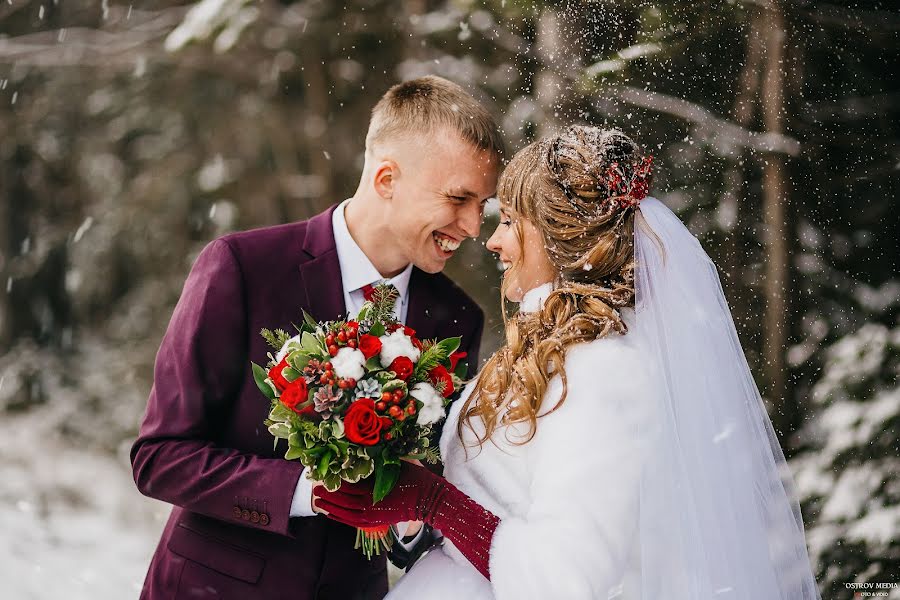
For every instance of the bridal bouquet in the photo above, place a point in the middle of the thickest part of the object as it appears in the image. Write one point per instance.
(352, 398)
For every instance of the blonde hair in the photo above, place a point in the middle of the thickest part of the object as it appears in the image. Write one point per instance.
(423, 106)
(580, 189)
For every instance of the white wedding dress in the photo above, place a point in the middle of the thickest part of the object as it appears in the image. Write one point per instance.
(568, 499)
(659, 478)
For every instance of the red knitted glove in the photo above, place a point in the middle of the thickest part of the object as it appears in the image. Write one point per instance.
(419, 495)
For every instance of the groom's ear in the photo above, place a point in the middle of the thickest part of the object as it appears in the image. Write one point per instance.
(385, 177)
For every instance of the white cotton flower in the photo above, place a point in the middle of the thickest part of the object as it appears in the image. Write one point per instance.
(289, 346)
(397, 344)
(348, 363)
(432, 410)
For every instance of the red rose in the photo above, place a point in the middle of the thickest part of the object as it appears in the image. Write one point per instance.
(296, 394)
(361, 424)
(455, 358)
(438, 374)
(275, 374)
(402, 366)
(369, 345)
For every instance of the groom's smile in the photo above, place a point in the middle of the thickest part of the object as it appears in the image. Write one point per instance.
(438, 197)
(446, 243)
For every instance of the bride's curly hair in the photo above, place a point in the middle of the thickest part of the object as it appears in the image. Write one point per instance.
(580, 189)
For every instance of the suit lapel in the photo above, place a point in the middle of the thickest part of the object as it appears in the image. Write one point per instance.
(421, 304)
(321, 274)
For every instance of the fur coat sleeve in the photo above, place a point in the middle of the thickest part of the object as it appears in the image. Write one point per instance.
(572, 540)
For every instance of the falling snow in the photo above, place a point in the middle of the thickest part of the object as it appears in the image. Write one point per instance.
(132, 135)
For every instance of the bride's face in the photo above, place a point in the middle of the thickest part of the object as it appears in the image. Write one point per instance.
(526, 264)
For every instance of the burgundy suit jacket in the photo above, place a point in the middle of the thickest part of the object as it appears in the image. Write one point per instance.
(203, 446)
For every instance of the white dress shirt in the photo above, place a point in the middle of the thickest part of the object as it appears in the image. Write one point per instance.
(357, 271)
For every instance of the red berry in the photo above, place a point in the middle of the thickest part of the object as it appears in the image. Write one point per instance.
(398, 394)
(332, 350)
(380, 406)
(411, 409)
(389, 436)
(401, 416)
(395, 412)
(351, 382)
(386, 396)
(328, 366)
(343, 384)
(329, 339)
(352, 343)
(341, 336)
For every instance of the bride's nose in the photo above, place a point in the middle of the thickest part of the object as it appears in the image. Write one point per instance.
(493, 243)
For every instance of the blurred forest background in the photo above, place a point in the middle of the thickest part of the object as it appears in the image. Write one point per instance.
(133, 133)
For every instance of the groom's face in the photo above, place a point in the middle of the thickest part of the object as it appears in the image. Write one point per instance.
(438, 199)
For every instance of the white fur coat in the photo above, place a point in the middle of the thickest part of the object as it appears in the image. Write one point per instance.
(567, 500)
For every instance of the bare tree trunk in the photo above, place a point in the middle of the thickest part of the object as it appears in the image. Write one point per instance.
(775, 199)
(549, 83)
(731, 213)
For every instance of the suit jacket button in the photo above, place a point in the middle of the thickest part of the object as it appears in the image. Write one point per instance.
(254, 517)
(245, 514)
(236, 511)
(263, 519)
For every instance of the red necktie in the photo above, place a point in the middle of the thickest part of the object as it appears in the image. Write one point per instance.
(368, 292)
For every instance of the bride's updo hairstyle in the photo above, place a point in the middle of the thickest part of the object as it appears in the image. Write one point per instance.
(580, 189)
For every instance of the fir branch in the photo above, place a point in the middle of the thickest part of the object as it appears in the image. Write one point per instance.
(432, 455)
(383, 300)
(277, 339)
(429, 359)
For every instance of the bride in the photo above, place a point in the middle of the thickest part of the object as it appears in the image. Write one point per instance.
(616, 446)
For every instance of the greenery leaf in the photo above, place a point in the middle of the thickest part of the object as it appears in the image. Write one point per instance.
(337, 427)
(309, 343)
(280, 430)
(293, 453)
(280, 412)
(322, 467)
(450, 345)
(312, 323)
(261, 378)
(385, 479)
(332, 482)
(357, 468)
(298, 360)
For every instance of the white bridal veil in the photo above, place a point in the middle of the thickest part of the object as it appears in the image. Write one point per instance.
(719, 517)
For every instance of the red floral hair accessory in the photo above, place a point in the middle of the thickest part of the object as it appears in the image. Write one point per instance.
(626, 193)
(622, 190)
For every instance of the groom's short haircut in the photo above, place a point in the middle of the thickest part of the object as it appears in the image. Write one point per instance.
(420, 107)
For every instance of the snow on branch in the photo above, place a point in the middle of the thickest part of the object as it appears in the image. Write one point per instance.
(722, 133)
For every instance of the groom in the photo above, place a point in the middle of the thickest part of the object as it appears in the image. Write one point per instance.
(242, 525)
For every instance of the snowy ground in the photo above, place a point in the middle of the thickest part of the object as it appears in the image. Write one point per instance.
(73, 525)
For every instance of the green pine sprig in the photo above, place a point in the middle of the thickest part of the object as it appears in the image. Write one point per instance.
(383, 300)
(432, 455)
(277, 339)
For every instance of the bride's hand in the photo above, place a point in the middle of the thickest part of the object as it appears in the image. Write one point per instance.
(412, 527)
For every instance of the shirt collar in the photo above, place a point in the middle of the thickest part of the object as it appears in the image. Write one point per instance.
(356, 268)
